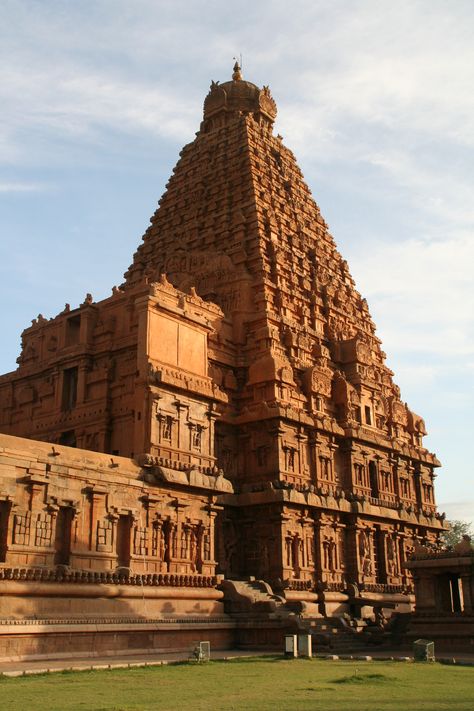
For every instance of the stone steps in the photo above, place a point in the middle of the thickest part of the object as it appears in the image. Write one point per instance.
(332, 635)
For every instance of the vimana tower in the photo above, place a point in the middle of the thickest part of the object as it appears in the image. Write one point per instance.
(220, 434)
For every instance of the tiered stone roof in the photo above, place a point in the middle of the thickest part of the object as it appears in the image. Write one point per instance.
(239, 223)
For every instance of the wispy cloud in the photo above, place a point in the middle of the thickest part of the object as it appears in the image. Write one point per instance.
(459, 510)
(87, 106)
(422, 292)
(16, 187)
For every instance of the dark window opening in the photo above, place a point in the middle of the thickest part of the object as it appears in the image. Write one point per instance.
(68, 439)
(63, 535)
(124, 531)
(73, 330)
(5, 507)
(456, 594)
(374, 481)
(261, 456)
(451, 593)
(380, 568)
(295, 556)
(69, 388)
(368, 416)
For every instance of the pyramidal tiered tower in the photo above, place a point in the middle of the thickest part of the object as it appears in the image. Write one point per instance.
(334, 483)
(239, 367)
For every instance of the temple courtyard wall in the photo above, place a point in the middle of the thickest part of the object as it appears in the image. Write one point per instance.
(94, 560)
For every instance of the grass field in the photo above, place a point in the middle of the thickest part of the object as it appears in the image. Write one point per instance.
(260, 683)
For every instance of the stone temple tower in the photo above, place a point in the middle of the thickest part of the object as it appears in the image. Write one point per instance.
(238, 346)
(333, 484)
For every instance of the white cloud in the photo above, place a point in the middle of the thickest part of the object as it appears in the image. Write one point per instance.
(87, 106)
(422, 292)
(16, 187)
(459, 510)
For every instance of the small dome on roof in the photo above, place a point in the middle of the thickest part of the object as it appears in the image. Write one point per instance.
(239, 95)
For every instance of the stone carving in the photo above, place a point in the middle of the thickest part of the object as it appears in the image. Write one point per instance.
(365, 553)
(21, 528)
(140, 541)
(391, 556)
(318, 381)
(104, 534)
(44, 529)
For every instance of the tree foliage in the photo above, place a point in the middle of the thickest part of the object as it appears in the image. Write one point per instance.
(457, 530)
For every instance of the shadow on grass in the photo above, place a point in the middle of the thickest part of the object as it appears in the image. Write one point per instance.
(362, 679)
(252, 660)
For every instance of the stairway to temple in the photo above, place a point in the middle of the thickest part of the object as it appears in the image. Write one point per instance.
(254, 599)
(332, 635)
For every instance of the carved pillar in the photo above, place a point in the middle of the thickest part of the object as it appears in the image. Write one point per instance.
(183, 432)
(317, 459)
(81, 382)
(96, 508)
(285, 545)
(312, 440)
(332, 448)
(57, 376)
(212, 510)
(301, 439)
(212, 417)
(393, 462)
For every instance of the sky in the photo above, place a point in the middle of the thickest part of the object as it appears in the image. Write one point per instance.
(376, 100)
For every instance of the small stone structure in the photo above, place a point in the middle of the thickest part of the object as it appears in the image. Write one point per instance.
(444, 593)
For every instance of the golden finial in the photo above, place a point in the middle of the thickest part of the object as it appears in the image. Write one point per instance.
(237, 75)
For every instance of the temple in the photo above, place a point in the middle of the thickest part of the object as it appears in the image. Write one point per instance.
(222, 428)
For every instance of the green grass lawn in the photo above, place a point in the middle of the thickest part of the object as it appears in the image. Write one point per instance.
(259, 683)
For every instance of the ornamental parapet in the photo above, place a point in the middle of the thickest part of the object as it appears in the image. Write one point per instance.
(385, 588)
(439, 555)
(295, 584)
(46, 575)
(332, 587)
(114, 621)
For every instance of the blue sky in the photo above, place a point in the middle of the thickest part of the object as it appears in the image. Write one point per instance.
(375, 98)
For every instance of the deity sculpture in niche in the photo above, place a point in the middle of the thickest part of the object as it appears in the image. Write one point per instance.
(391, 556)
(365, 553)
